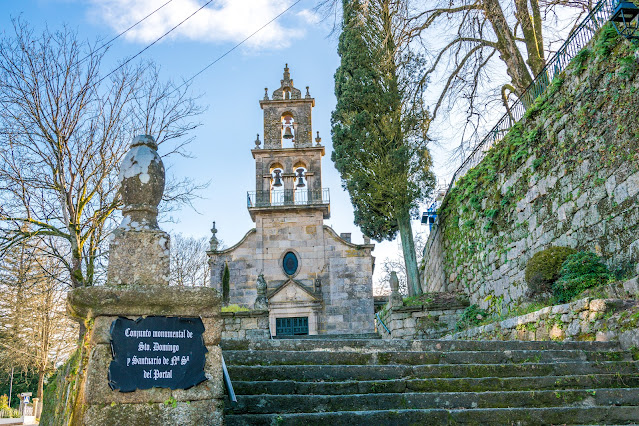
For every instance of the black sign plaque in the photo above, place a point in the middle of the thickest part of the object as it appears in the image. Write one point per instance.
(164, 352)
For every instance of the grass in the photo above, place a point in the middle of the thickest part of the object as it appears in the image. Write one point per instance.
(234, 308)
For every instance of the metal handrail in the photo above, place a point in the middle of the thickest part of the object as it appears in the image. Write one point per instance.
(382, 322)
(227, 382)
(576, 41)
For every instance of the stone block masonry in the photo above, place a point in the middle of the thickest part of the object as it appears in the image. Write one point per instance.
(343, 269)
(566, 175)
(249, 325)
(409, 323)
(601, 320)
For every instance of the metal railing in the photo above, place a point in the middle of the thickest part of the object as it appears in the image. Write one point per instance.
(227, 382)
(576, 41)
(382, 323)
(287, 197)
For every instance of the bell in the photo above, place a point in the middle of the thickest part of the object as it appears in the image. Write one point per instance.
(300, 178)
(287, 133)
(277, 181)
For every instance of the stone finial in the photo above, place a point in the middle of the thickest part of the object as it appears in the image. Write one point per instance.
(318, 140)
(139, 252)
(367, 240)
(395, 298)
(257, 142)
(261, 302)
(214, 242)
(266, 93)
(142, 184)
(308, 93)
(287, 74)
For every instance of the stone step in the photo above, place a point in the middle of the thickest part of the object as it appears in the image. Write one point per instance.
(332, 336)
(505, 416)
(286, 387)
(265, 404)
(388, 372)
(376, 345)
(273, 357)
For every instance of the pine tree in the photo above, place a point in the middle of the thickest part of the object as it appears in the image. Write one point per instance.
(378, 132)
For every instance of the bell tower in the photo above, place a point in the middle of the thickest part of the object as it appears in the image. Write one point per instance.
(288, 168)
(291, 267)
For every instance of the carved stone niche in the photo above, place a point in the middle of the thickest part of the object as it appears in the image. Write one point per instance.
(293, 299)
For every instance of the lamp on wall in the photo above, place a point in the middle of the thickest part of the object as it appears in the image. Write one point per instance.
(624, 18)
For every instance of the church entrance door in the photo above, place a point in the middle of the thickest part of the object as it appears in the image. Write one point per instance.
(294, 326)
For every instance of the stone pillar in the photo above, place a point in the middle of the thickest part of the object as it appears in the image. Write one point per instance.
(37, 407)
(137, 287)
(139, 252)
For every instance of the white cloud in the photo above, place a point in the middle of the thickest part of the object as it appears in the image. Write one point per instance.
(220, 21)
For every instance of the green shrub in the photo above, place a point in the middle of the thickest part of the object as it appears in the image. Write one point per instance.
(471, 317)
(580, 271)
(542, 270)
(5, 410)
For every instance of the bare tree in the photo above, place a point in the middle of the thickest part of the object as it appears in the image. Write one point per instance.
(64, 129)
(37, 332)
(189, 262)
(472, 43)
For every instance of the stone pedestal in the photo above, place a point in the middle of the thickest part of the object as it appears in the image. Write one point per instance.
(137, 287)
(97, 404)
(139, 258)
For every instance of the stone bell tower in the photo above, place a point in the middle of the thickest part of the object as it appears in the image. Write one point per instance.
(288, 169)
(309, 279)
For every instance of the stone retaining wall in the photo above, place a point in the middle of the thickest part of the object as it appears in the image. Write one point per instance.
(251, 325)
(415, 322)
(565, 175)
(584, 319)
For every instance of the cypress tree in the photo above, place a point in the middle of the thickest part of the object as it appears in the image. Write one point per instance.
(226, 278)
(378, 129)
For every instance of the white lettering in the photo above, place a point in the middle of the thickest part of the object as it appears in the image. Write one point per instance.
(137, 333)
(157, 374)
(158, 347)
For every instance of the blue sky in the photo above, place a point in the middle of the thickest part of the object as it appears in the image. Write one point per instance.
(230, 89)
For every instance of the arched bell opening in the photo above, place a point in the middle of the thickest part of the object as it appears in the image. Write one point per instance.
(277, 184)
(288, 130)
(301, 184)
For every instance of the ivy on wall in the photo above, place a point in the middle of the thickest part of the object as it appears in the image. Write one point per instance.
(589, 112)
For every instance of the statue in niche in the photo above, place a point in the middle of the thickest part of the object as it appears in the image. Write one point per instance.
(261, 302)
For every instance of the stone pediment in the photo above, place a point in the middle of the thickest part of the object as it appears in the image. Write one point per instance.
(292, 291)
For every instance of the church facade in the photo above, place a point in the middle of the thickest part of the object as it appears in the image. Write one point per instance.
(311, 280)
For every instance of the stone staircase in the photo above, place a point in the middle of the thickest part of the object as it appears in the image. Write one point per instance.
(398, 382)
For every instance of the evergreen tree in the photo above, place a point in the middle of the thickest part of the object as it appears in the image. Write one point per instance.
(378, 127)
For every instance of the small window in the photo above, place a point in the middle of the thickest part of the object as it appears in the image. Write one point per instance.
(290, 263)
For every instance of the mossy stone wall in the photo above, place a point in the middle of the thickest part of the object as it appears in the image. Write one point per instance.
(566, 175)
